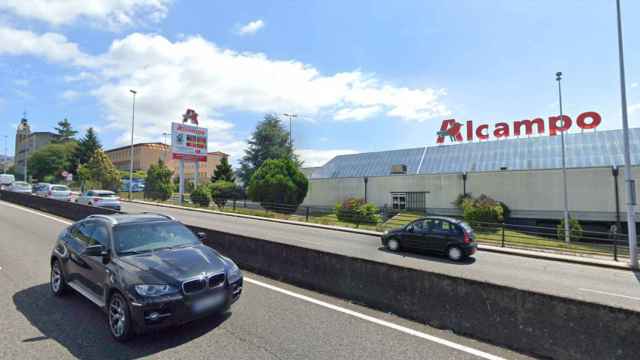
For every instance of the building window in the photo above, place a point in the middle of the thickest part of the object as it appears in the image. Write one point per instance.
(399, 201)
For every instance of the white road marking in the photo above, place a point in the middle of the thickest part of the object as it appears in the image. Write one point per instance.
(333, 307)
(610, 294)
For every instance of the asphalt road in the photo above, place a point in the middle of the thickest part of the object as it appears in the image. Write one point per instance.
(271, 321)
(619, 288)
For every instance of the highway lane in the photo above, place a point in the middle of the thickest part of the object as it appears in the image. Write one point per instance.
(272, 320)
(607, 286)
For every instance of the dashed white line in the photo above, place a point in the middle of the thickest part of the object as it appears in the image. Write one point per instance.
(610, 294)
(333, 307)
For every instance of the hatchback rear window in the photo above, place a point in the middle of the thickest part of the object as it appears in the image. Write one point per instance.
(466, 227)
(107, 194)
(59, 188)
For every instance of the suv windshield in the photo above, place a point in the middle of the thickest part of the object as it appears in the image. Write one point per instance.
(138, 238)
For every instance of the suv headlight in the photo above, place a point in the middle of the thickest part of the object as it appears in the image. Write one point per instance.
(149, 290)
(233, 271)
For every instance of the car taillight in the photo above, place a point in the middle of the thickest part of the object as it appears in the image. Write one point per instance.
(96, 199)
(467, 238)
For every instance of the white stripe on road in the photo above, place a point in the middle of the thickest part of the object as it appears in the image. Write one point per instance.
(610, 294)
(333, 307)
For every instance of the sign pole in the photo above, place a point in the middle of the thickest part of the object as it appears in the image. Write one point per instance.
(197, 172)
(181, 186)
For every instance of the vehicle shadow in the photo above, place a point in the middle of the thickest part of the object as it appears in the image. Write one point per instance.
(430, 257)
(81, 327)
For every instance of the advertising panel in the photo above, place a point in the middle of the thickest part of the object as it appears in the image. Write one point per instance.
(188, 142)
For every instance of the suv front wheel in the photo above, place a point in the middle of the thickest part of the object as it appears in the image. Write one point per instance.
(57, 284)
(119, 317)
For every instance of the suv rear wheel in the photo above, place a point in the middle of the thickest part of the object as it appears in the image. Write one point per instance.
(119, 317)
(454, 253)
(393, 245)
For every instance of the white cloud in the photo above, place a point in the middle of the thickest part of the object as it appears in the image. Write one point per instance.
(632, 109)
(195, 73)
(251, 28)
(357, 114)
(70, 95)
(51, 46)
(315, 157)
(235, 149)
(634, 85)
(113, 14)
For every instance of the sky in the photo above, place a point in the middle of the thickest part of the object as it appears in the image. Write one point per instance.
(361, 75)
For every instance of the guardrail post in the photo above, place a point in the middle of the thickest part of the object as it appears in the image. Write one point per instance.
(234, 204)
(615, 246)
(502, 234)
(306, 213)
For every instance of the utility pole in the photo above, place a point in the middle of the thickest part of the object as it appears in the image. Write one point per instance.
(567, 236)
(290, 116)
(629, 181)
(133, 117)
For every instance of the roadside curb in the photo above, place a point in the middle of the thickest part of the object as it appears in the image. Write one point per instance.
(489, 248)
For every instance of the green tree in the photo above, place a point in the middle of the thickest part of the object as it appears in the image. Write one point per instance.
(65, 131)
(87, 146)
(223, 171)
(51, 160)
(278, 185)
(222, 191)
(269, 141)
(200, 196)
(158, 184)
(99, 172)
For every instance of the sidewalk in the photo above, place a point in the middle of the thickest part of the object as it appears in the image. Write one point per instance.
(582, 260)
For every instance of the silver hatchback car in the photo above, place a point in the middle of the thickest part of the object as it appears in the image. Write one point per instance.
(100, 198)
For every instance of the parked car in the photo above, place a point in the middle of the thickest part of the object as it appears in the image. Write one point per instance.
(6, 180)
(443, 235)
(146, 271)
(100, 198)
(57, 192)
(41, 189)
(20, 187)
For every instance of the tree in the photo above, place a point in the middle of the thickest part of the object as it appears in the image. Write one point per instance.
(278, 185)
(200, 196)
(269, 141)
(65, 131)
(158, 184)
(87, 146)
(222, 190)
(223, 171)
(99, 172)
(51, 160)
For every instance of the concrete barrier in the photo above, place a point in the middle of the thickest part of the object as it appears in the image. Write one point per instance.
(526, 321)
(65, 209)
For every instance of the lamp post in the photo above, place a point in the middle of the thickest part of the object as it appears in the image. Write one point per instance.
(629, 181)
(290, 116)
(567, 236)
(133, 117)
(6, 159)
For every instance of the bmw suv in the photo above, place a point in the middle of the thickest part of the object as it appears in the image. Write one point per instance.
(146, 271)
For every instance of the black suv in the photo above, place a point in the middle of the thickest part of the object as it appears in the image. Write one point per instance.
(437, 234)
(146, 271)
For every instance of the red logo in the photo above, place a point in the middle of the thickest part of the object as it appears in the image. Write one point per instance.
(191, 115)
(452, 129)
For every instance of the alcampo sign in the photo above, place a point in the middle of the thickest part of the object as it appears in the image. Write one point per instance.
(454, 130)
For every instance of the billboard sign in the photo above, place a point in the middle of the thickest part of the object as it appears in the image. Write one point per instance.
(457, 132)
(188, 142)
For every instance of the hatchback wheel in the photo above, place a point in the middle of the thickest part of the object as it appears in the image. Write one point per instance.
(454, 253)
(393, 245)
(57, 283)
(119, 318)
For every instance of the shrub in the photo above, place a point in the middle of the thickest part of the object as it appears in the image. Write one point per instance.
(201, 196)
(222, 190)
(575, 230)
(459, 201)
(483, 209)
(158, 184)
(278, 185)
(355, 210)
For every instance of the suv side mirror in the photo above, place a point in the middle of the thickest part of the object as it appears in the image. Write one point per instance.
(409, 228)
(202, 235)
(95, 250)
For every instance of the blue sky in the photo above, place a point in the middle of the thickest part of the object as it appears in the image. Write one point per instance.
(362, 75)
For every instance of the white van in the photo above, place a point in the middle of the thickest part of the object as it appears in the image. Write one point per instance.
(6, 180)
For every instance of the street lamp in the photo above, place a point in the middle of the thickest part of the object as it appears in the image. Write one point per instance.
(133, 116)
(290, 116)
(628, 177)
(564, 165)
